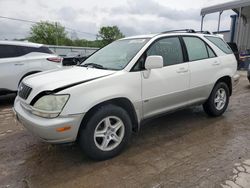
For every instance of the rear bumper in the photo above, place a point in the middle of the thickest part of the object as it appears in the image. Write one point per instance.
(46, 129)
(235, 80)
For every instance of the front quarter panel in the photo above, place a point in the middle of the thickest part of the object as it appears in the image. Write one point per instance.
(85, 96)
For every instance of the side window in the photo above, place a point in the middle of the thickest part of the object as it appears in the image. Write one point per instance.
(45, 50)
(210, 52)
(26, 50)
(139, 64)
(196, 48)
(42, 49)
(8, 51)
(22, 50)
(169, 48)
(220, 44)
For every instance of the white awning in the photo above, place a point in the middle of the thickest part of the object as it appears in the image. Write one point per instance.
(234, 5)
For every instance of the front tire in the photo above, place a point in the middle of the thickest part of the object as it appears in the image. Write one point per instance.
(106, 133)
(218, 100)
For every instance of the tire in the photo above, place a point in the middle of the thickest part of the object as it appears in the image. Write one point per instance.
(212, 107)
(103, 126)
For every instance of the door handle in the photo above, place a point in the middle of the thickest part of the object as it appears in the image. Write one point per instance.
(182, 70)
(19, 64)
(215, 63)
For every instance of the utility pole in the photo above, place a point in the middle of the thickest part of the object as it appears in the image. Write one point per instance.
(56, 34)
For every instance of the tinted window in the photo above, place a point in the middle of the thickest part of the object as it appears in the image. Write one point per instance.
(196, 48)
(220, 44)
(42, 49)
(233, 46)
(169, 48)
(210, 52)
(7, 51)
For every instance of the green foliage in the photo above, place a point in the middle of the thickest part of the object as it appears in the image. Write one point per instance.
(109, 34)
(87, 43)
(48, 33)
(55, 34)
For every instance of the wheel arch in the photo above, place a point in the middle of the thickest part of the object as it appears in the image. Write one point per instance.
(122, 102)
(227, 80)
(27, 74)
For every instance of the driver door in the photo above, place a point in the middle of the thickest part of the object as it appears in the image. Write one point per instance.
(166, 88)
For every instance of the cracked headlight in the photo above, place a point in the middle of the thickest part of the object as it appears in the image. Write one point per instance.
(49, 106)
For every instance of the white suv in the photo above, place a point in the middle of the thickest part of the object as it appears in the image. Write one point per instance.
(20, 59)
(101, 102)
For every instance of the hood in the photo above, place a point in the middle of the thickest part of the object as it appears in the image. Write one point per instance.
(63, 77)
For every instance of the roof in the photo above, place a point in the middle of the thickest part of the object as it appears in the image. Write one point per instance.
(141, 36)
(20, 43)
(234, 5)
(166, 34)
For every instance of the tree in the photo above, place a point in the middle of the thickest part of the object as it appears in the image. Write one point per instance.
(109, 34)
(48, 33)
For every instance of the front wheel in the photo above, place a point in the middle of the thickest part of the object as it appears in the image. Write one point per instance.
(218, 100)
(106, 133)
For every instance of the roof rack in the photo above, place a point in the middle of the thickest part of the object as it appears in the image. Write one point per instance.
(186, 31)
(180, 31)
(203, 32)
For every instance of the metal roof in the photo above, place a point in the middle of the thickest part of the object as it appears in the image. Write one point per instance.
(234, 5)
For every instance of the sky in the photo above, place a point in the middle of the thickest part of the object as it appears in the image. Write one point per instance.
(85, 17)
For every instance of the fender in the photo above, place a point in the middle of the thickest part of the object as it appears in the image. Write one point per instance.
(27, 74)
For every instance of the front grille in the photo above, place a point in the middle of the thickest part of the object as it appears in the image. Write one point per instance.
(24, 91)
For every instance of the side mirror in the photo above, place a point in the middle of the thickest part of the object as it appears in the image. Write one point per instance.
(154, 62)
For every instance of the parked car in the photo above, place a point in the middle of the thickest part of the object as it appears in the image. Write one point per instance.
(235, 50)
(244, 55)
(245, 59)
(248, 73)
(21, 59)
(74, 59)
(101, 102)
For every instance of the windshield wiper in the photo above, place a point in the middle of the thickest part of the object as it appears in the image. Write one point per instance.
(93, 65)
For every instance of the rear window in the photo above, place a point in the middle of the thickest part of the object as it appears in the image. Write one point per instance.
(220, 44)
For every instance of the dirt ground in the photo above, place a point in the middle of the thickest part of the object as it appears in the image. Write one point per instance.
(183, 149)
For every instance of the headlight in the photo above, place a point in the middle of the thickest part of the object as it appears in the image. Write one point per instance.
(49, 106)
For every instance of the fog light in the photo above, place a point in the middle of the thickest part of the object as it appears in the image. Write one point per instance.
(62, 129)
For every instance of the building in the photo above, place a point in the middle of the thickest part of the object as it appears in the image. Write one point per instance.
(240, 23)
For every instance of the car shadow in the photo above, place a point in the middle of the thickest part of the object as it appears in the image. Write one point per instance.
(7, 100)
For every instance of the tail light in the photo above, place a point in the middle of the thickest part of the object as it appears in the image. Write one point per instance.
(55, 59)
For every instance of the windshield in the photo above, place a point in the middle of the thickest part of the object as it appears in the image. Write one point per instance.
(116, 55)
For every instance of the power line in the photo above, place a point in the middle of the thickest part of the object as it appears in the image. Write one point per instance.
(83, 32)
(17, 19)
(34, 22)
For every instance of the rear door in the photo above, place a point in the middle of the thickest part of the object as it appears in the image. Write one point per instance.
(203, 64)
(166, 88)
(12, 66)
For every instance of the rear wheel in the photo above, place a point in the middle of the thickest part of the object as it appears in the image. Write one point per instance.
(106, 133)
(218, 100)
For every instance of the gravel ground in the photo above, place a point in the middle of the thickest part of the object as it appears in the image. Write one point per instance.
(183, 149)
